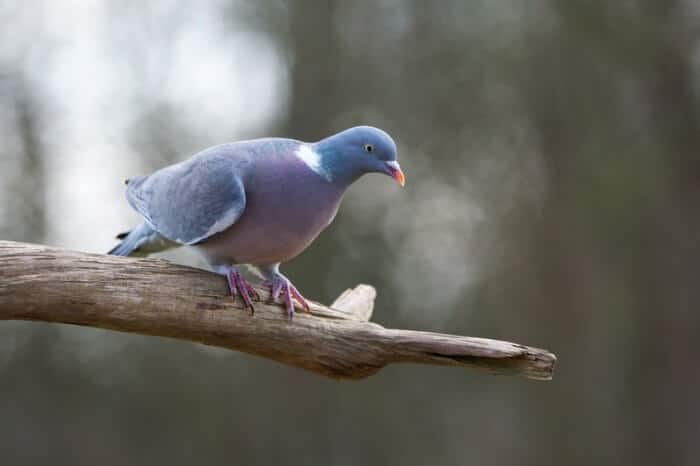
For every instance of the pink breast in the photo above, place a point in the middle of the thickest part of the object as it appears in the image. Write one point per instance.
(287, 206)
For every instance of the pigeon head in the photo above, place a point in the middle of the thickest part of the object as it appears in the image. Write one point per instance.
(346, 156)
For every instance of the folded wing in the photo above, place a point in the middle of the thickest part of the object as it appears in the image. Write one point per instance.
(193, 200)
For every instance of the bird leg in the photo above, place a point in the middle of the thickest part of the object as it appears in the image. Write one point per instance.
(281, 286)
(239, 285)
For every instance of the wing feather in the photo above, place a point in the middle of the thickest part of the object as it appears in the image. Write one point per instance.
(193, 200)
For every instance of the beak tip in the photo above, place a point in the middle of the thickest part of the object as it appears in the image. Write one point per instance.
(396, 173)
(401, 179)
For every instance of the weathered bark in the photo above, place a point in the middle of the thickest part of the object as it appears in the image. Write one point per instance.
(154, 297)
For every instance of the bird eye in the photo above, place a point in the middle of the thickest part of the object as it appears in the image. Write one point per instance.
(369, 147)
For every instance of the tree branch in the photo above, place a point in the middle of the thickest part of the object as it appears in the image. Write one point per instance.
(154, 297)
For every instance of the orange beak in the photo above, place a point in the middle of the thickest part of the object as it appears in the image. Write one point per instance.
(396, 172)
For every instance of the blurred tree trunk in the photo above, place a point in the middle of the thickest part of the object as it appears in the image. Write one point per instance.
(28, 188)
(317, 55)
(673, 404)
(613, 100)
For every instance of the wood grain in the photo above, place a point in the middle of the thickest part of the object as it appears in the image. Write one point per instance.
(155, 297)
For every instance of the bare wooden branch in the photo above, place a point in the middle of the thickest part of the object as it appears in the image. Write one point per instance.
(154, 297)
(358, 301)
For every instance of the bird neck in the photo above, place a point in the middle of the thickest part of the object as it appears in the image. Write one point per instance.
(337, 169)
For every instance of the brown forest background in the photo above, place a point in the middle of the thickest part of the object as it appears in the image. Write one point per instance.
(551, 151)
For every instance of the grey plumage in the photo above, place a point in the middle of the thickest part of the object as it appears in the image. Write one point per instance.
(259, 202)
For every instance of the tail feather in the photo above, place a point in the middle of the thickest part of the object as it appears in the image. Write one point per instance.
(140, 242)
(131, 241)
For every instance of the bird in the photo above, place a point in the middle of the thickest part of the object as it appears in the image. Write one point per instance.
(257, 203)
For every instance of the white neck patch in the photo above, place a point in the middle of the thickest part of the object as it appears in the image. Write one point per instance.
(312, 159)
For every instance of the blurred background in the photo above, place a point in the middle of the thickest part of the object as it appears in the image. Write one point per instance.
(552, 156)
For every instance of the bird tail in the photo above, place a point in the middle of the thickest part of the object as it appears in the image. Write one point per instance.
(140, 242)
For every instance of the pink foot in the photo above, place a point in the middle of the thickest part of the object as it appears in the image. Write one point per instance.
(237, 284)
(281, 286)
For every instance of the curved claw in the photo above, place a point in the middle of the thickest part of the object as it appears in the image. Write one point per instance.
(252, 291)
(239, 285)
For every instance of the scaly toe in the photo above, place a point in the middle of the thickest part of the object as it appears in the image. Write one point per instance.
(275, 289)
(281, 287)
(300, 299)
(238, 285)
(288, 300)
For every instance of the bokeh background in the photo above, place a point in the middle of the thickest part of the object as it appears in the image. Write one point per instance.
(553, 161)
